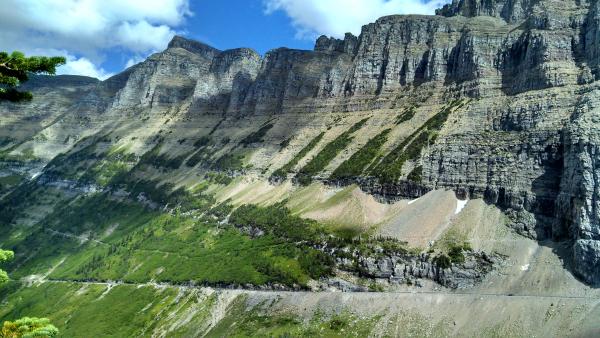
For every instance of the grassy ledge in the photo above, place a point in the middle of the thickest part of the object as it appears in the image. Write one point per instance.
(355, 165)
(329, 152)
(282, 172)
(389, 170)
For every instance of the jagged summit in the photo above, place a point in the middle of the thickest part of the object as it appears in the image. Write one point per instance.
(193, 46)
(330, 44)
(208, 51)
(509, 10)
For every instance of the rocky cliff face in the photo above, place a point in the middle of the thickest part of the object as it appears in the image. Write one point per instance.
(509, 10)
(578, 206)
(527, 141)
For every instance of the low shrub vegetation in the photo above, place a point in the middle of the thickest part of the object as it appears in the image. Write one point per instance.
(389, 169)
(229, 162)
(257, 136)
(204, 146)
(156, 159)
(283, 171)
(355, 165)
(406, 115)
(416, 175)
(329, 152)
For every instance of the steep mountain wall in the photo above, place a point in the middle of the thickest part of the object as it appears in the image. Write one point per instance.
(579, 200)
(526, 141)
(509, 10)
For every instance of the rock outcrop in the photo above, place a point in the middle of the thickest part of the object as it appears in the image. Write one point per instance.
(578, 205)
(400, 270)
(509, 10)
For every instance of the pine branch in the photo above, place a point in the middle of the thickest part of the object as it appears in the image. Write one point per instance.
(15, 68)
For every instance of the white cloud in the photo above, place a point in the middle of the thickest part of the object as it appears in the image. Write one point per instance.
(142, 36)
(134, 61)
(89, 28)
(82, 66)
(92, 24)
(337, 17)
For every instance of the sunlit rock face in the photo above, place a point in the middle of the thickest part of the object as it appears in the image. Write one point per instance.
(528, 141)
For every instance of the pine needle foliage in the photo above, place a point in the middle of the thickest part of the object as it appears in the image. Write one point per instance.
(15, 69)
(5, 256)
(28, 327)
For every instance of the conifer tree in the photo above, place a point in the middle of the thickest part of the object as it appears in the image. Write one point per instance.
(26, 327)
(5, 256)
(15, 69)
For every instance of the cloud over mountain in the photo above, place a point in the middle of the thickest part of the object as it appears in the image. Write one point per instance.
(89, 28)
(336, 17)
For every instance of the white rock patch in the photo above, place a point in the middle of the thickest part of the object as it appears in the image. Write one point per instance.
(413, 201)
(460, 205)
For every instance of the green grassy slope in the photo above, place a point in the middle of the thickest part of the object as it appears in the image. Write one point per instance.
(109, 210)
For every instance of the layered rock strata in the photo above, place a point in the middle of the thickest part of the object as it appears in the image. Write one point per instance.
(527, 141)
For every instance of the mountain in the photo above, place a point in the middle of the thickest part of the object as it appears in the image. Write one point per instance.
(454, 156)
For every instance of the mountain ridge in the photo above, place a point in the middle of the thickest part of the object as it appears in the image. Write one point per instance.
(467, 145)
(495, 60)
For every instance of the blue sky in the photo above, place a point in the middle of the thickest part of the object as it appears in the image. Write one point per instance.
(242, 23)
(102, 37)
